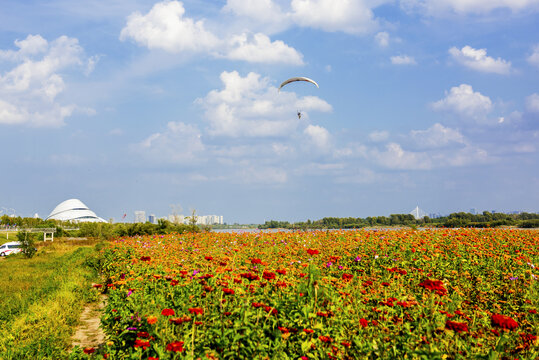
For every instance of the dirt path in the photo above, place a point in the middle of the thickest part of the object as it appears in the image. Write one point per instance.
(88, 333)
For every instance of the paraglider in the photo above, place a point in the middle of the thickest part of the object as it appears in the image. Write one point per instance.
(300, 78)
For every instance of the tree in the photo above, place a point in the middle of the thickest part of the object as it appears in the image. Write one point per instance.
(27, 241)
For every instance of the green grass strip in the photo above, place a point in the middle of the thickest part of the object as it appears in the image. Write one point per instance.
(42, 299)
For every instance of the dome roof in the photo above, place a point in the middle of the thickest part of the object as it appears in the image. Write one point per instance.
(73, 210)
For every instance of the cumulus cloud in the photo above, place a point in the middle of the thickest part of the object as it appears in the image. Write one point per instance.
(250, 106)
(477, 59)
(178, 143)
(30, 88)
(166, 27)
(263, 13)
(382, 39)
(478, 7)
(355, 17)
(532, 103)
(319, 136)
(378, 136)
(403, 60)
(534, 57)
(437, 136)
(260, 49)
(395, 157)
(463, 101)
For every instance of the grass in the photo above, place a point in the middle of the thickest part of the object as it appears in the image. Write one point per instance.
(7, 236)
(42, 299)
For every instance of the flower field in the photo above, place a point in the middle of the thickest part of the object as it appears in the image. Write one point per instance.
(447, 294)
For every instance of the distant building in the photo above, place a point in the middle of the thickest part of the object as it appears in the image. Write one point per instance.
(74, 210)
(200, 219)
(140, 216)
(152, 219)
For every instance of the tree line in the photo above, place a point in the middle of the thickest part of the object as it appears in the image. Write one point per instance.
(460, 219)
(97, 230)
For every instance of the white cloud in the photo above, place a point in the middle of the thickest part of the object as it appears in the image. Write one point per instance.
(382, 39)
(29, 90)
(165, 27)
(395, 157)
(262, 12)
(260, 49)
(319, 136)
(178, 143)
(403, 60)
(532, 103)
(463, 101)
(479, 7)
(349, 16)
(534, 57)
(379, 136)
(249, 106)
(437, 136)
(477, 59)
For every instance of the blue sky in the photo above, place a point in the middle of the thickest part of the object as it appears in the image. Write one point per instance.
(140, 105)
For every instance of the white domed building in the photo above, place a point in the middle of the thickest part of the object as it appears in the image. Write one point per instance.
(74, 210)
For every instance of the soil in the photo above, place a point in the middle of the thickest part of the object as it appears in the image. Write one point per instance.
(88, 333)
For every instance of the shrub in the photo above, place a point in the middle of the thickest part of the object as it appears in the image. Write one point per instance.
(27, 241)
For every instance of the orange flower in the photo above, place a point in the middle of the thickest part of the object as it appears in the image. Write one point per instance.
(151, 319)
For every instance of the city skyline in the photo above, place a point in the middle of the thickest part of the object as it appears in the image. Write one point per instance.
(141, 104)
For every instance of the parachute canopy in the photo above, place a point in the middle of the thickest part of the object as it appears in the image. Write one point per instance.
(297, 79)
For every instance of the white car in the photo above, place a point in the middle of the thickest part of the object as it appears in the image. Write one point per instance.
(9, 248)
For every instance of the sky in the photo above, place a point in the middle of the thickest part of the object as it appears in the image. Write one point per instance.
(173, 106)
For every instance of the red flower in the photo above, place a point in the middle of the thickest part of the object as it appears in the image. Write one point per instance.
(313, 252)
(257, 305)
(256, 261)
(179, 321)
(268, 275)
(504, 322)
(168, 312)
(346, 276)
(143, 334)
(250, 276)
(97, 286)
(363, 322)
(228, 291)
(346, 344)
(174, 282)
(196, 311)
(434, 285)
(385, 284)
(271, 309)
(142, 343)
(176, 346)
(145, 258)
(282, 272)
(89, 350)
(209, 258)
(532, 311)
(308, 331)
(456, 326)
(325, 339)
(283, 330)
